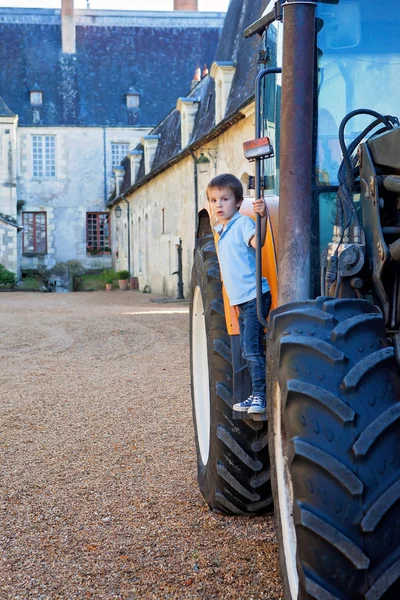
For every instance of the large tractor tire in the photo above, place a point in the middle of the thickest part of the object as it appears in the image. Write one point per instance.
(232, 455)
(334, 412)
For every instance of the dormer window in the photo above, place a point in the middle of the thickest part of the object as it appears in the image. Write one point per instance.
(36, 98)
(36, 95)
(222, 73)
(188, 109)
(150, 143)
(132, 98)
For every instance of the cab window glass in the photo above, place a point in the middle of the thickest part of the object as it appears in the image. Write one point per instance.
(271, 107)
(358, 62)
(358, 53)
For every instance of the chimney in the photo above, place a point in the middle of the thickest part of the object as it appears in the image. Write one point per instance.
(196, 77)
(185, 5)
(205, 71)
(68, 27)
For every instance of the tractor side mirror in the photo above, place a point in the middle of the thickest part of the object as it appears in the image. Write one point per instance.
(342, 25)
(258, 148)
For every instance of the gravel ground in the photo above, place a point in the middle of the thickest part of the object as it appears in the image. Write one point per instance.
(98, 492)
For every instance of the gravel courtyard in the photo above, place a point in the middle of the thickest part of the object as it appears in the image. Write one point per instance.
(98, 492)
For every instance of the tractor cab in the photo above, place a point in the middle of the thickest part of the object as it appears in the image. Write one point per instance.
(327, 151)
(356, 65)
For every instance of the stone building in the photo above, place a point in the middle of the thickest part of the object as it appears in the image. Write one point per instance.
(163, 181)
(79, 89)
(8, 193)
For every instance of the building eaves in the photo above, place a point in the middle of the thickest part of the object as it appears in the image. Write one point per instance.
(220, 128)
(108, 18)
(232, 48)
(9, 220)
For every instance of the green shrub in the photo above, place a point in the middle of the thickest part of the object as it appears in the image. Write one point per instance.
(7, 279)
(108, 276)
(29, 283)
(123, 274)
(75, 268)
(60, 269)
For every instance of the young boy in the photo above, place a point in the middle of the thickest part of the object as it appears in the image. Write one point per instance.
(237, 260)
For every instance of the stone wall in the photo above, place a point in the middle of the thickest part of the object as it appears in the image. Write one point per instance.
(8, 137)
(163, 211)
(8, 247)
(78, 187)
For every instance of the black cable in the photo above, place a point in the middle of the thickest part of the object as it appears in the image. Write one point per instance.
(346, 152)
(349, 171)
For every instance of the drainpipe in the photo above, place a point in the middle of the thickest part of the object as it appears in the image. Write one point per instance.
(196, 193)
(296, 151)
(105, 163)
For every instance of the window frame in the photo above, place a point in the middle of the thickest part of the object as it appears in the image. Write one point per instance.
(132, 100)
(120, 156)
(35, 214)
(47, 170)
(36, 98)
(98, 249)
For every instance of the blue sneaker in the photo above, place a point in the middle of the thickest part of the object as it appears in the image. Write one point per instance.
(243, 406)
(258, 406)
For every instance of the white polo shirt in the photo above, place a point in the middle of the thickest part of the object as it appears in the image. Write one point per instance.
(237, 259)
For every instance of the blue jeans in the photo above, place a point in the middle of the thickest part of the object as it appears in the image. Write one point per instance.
(252, 342)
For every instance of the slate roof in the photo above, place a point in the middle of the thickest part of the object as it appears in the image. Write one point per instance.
(243, 52)
(126, 163)
(4, 110)
(89, 87)
(232, 47)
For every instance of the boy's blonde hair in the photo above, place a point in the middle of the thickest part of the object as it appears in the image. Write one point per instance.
(226, 180)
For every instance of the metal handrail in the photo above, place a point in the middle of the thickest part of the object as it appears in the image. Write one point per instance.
(261, 75)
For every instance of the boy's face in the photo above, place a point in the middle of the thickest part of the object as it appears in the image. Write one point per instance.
(223, 204)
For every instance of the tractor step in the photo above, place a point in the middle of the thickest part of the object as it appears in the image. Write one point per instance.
(244, 416)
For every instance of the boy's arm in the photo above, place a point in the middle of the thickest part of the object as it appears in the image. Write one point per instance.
(261, 209)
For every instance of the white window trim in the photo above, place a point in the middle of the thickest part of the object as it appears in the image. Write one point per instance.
(188, 108)
(132, 100)
(52, 158)
(121, 154)
(223, 74)
(36, 98)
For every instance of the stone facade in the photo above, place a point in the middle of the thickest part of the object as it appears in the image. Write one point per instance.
(65, 79)
(8, 189)
(163, 211)
(8, 245)
(77, 188)
(164, 194)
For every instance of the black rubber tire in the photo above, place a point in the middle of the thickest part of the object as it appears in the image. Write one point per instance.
(236, 478)
(340, 390)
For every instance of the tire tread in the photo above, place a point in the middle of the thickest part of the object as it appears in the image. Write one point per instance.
(239, 452)
(341, 432)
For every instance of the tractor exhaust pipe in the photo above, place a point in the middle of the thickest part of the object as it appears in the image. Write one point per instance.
(296, 151)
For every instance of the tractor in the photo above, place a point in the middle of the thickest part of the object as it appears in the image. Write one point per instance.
(326, 457)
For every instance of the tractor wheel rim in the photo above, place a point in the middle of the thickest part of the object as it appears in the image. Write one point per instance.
(201, 383)
(285, 495)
